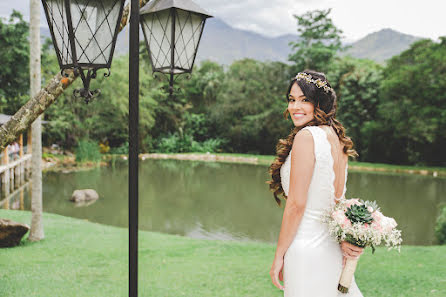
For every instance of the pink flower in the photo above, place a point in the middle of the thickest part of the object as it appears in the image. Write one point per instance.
(346, 223)
(366, 225)
(352, 201)
(377, 216)
(392, 222)
(339, 216)
(376, 226)
(388, 224)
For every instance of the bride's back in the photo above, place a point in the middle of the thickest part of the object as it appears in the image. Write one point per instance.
(340, 160)
(330, 170)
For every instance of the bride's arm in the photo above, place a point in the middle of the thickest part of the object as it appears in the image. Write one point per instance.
(302, 166)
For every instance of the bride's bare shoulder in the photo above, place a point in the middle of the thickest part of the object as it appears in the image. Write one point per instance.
(303, 141)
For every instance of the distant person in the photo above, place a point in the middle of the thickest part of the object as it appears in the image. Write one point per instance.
(311, 174)
(10, 150)
(16, 150)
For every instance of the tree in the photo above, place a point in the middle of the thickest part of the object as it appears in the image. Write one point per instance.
(413, 108)
(249, 106)
(319, 41)
(106, 117)
(204, 85)
(357, 83)
(14, 56)
(36, 233)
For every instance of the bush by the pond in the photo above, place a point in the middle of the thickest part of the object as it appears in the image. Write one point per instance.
(122, 150)
(87, 150)
(175, 143)
(210, 145)
(440, 227)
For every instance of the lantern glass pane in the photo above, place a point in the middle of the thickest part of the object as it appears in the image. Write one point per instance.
(94, 24)
(57, 21)
(188, 27)
(158, 31)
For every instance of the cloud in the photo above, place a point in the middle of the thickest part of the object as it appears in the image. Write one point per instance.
(355, 18)
(275, 17)
(270, 18)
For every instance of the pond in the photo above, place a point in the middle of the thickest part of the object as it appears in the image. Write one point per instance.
(228, 200)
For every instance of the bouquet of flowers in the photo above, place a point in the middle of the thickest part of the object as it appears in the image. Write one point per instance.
(360, 223)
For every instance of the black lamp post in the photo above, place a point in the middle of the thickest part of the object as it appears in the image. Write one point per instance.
(84, 35)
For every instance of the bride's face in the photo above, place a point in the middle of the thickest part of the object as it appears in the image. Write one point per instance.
(299, 107)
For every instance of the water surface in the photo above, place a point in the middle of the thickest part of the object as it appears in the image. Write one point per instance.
(228, 201)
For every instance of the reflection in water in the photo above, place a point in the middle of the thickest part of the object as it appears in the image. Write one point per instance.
(228, 201)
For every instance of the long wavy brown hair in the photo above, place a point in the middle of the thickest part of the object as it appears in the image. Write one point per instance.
(324, 114)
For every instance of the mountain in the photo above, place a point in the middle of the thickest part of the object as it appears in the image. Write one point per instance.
(382, 45)
(224, 44)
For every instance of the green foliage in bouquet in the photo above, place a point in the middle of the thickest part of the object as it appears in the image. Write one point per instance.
(359, 214)
(371, 204)
(359, 243)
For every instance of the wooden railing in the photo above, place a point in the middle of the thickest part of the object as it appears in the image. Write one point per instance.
(14, 174)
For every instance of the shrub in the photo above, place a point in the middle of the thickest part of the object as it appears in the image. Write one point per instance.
(440, 227)
(122, 150)
(147, 144)
(174, 143)
(210, 145)
(87, 150)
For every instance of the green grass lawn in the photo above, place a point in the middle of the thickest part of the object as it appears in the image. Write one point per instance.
(80, 258)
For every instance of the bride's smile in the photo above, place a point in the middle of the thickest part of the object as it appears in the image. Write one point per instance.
(299, 107)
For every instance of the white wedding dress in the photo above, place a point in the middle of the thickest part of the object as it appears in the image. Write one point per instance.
(313, 262)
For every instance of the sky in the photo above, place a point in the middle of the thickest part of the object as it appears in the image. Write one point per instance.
(356, 18)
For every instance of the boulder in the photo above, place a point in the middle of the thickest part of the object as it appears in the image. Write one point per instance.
(84, 203)
(84, 195)
(11, 232)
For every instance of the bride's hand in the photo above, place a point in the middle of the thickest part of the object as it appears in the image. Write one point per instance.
(351, 251)
(276, 272)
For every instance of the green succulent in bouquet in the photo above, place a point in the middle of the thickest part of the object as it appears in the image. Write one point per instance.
(373, 205)
(359, 214)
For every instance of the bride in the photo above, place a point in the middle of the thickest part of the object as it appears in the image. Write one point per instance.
(310, 171)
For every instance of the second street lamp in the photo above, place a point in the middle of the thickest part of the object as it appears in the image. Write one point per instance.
(172, 30)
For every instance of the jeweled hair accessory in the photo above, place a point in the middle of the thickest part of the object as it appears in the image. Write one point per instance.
(318, 82)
